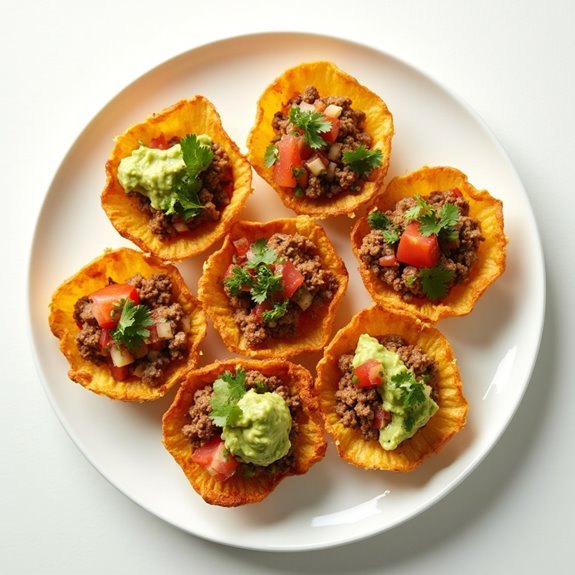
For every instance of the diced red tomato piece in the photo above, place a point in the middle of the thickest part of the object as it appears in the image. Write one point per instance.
(105, 299)
(417, 250)
(159, 142)
(369, 373)
(381, 419)
(387, 261)
(259, 310)
(331, 136)
(291, 277)
(214, 457)
(119, 373)
(289, 159)
(456, 192)
(241, 246)
(105, 341)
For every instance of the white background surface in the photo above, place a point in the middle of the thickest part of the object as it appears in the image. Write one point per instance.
(512, 62)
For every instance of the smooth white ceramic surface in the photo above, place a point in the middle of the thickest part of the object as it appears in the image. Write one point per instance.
(496, 345)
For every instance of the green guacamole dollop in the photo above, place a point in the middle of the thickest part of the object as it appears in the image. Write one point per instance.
(154, 172)
(261, 433)
(405, 419)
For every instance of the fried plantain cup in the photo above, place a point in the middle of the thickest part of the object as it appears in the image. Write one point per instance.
(446, 422)
(315, 328)
(491, 259)
(194, 116)
(119, 265)
(329, 81)
(309, 444)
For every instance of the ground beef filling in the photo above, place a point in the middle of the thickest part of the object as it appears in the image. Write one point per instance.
(339, 178)
(320, 284)
(202, 429)
(150, 366)
(359, 408)
(456, 256)
(217, 182)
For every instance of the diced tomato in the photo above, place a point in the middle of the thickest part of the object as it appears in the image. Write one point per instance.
(369, 373)
(259, 309)
(119, 373)
(381, 419)
(214, 457)
(417, 250)
(154, 341)
(456, 192)
(159, 142)
(291, 277)
(289, 159)
(387, 261)
(331, 136)
(105, 341)
(241, 246)
(104, 300)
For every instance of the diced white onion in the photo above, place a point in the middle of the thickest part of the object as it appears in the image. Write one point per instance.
(306, 107)
(333, 111)
(315, 165)
(331, 167)
(302, 298)
(164, 330)
(120, 357)
(180, 226)
(334, 151)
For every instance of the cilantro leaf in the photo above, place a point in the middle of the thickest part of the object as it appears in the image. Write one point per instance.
(412, 394)
(436, 281)
(130, 331)
(261, 254)
(379, 221)
(184, 200)
(433, 223)
(266, 284)
(239, 280)
(312, 124)
(361, 160)
(228, 389)
(271, 155)
(277, 312)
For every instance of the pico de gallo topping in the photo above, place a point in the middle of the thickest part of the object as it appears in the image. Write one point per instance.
(321, 148)
(424, 246)
(273, 282)
(134, 327)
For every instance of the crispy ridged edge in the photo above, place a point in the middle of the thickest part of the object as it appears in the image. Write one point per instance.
(211, 292)
(238, 489)
(330, 81)
(120, 265)
(198, 116)
(449, 419)
(492, 252)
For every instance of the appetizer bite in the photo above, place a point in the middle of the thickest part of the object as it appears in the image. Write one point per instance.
(432, 244)
(238, 427)
(321, 140)
(177, 181)
(273, 288)
(389, 390)
(128, 325)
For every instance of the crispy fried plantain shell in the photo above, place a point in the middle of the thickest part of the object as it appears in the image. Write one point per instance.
(447, 421)
(120, 265)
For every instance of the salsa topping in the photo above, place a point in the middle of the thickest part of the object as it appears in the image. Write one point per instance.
(321, 149)
(135, 327)
(423, 246)
(272, 282)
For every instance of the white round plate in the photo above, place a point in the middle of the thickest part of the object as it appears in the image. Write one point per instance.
(496, 345)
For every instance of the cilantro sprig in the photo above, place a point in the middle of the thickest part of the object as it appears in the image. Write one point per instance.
(184, 201)
(131, 329)
(228, 389)
(412, 394)
(362, 161)
(379, 221)
(312, 124)
(436, 281)
(441, 223)
(257, 277)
